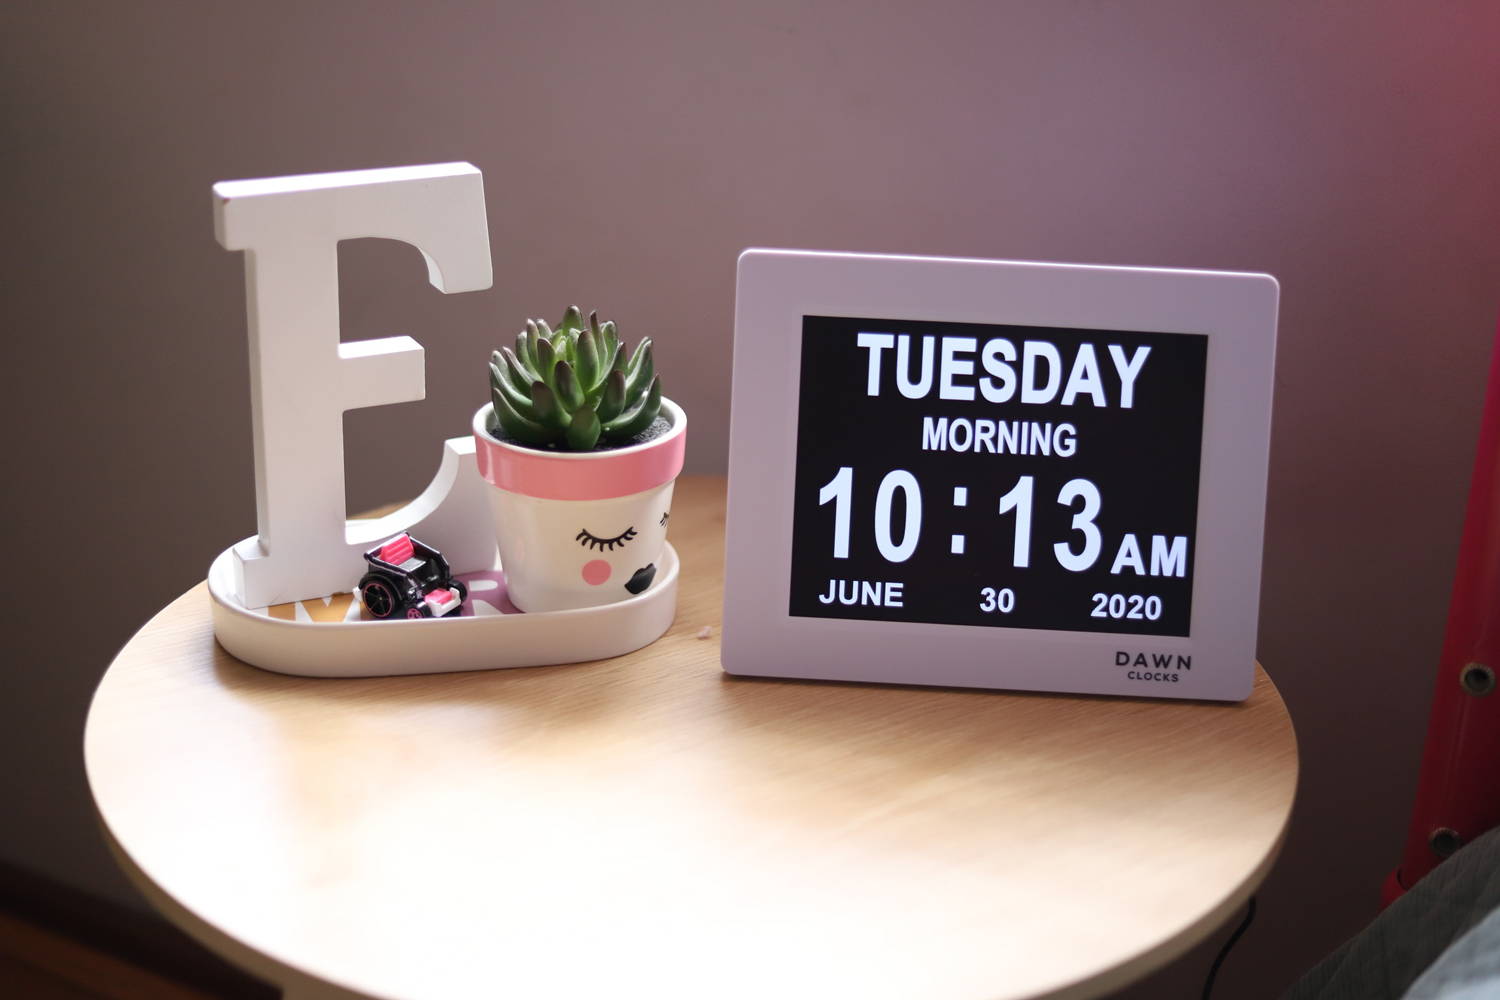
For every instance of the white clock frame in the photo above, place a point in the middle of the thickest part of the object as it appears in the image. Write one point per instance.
(777, 288)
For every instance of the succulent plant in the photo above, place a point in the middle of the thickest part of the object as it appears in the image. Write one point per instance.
(572, 387)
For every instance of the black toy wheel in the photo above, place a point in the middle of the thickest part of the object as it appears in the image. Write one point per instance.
(417, 612)
(463, 590)
(378, 596)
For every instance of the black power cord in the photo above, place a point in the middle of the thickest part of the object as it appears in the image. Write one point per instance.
(1213, 970)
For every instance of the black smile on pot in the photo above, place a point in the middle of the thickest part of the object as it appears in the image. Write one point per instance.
(641, 578)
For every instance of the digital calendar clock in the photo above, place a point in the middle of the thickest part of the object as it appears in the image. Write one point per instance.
(997, 474)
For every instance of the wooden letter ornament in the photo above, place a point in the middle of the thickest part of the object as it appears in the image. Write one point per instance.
(302, 378)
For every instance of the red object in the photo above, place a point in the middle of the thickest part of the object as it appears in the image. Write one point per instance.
(1458, 793)
(397, 550)
(441, 595)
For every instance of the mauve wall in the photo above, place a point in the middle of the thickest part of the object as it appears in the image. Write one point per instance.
(630, 151)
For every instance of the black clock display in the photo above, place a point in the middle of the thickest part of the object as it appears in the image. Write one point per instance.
(1008, 476)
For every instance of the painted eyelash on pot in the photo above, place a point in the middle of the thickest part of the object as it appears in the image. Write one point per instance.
(588, 540)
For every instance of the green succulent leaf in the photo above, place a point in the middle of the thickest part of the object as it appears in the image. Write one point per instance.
(545, 361)
(500, 382)
(638, 418)
(640, 359)
(612, 399)
(521, 376)
(569, 392)
(610, 338)
(518, 427)
(500, 368)
(572, 319)
(543, 330)
(583, 433)
(523, 349)
(588, 362)
(639, 374)
(546, 409)
(615, 358)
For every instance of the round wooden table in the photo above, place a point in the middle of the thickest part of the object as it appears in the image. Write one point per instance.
(650, 826)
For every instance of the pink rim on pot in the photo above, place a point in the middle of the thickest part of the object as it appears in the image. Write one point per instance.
(586, 475)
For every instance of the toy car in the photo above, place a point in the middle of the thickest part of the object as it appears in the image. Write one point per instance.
(409, 580)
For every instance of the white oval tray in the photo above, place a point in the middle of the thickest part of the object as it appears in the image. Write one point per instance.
(489, 634)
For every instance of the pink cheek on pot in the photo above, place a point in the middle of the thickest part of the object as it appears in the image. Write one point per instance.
(595, 572)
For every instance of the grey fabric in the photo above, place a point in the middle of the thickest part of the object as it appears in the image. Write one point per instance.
(1453, 906)
(1469, 970)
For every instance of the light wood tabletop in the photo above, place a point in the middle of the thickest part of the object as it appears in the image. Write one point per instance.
(650, 826)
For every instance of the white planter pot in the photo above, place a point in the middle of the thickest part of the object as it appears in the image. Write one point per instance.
(580, 529)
